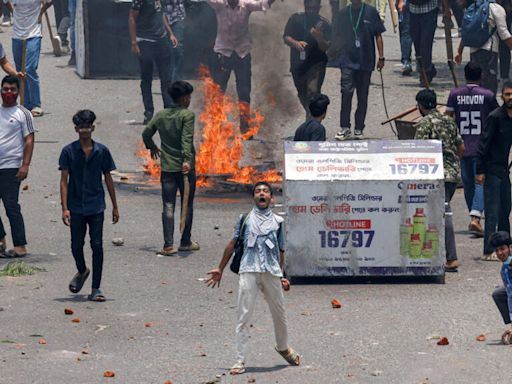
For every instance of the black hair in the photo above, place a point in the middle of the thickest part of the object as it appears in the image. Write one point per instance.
(179, 89)
(473, 71)
(427, 98)
(9, 79)
(318, 105)
(84, 117)
(506, 84)
(312, 1)
(500, 238)
(262, 183)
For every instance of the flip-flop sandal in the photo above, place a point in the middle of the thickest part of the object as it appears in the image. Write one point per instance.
(291, 357)
(37, 112)
(170, 252)
(451, 269)
(97, 295)
(237, 369)
(12, 254)
(78, 281)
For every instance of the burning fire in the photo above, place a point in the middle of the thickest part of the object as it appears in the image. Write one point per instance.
(221, 147)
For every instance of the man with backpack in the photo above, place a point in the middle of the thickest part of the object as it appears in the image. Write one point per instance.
(258, 243)
(483, 38)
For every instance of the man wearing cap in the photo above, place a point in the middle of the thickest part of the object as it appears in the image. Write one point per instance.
(436, 126)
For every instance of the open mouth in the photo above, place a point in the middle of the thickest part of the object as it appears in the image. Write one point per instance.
(262, 200)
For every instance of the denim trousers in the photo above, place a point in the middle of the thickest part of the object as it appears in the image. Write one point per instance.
(423, 27)
(404, 27)
(473, 192)
(309, 84)
(33, 50)
(449, 232)
(72, 17)
(9, 193)
(359, 81)
(171, 183)
(497, 207)
(159, 53)
(178, 53)
(79, 224)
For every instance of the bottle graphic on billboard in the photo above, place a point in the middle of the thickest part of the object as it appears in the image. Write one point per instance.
(419, 222)
(427, 252)
(415, 246)
(432, 236)
(405, 237)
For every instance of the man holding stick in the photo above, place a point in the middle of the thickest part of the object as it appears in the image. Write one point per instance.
(175, 125)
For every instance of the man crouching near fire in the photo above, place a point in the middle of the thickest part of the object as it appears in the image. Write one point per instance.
(260, 235)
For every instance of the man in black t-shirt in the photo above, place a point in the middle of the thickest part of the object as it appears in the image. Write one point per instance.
(308, 34)
(358, 27)
(150, 33)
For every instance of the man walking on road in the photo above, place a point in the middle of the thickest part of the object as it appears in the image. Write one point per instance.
(16, 147)
(150, 33)
(492, 169)
(261, 268)
(436, 126)
(175, 126)
(470, 104)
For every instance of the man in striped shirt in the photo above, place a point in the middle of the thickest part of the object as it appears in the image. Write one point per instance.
(16, 146)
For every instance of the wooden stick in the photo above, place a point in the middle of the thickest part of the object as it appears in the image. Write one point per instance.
(394, 18)
(184, 202)
(412, 109)
(23, 64)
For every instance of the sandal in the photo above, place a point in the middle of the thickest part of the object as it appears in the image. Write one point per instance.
(12, 254)
(97, 295)
(168, 252)
(77, 282)
(292, 357)
(237, 369)
(490, 257)
(37, 112)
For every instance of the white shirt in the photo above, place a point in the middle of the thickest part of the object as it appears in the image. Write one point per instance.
(16, 123)
(25, 15)
(498, 20)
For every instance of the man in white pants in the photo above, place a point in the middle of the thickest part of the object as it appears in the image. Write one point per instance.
(261, 267)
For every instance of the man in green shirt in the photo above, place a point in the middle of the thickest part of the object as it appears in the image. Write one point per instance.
(175, 126)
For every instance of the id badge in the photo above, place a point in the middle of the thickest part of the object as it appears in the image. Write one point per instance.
(269, 243)
(302, 55)
(357, 43)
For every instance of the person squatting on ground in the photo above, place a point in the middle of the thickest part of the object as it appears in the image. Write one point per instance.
(501, 242)
(435, 126)
(492, 169)
(487, 55)
(313, 130)
(261, 268)
(404, 28)
(175, 12)
(16, 147)
(175, 125)
(357, 26)
(308, 35)
(82, 164)
(150, 33)
(470, 105)
(233, 48)
(27, 16)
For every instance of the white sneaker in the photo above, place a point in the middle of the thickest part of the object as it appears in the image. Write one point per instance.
(343, 134)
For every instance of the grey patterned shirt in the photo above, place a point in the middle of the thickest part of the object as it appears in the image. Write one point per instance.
(174, 10)
(426, 7)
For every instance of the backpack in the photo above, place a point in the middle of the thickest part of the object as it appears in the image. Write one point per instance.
(239, 245)
(475, 25)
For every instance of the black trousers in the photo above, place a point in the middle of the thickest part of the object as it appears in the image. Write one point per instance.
(309, 84)
(500, 298)
(359, 81)
(79, 224)
(9, 193)
(423, 27)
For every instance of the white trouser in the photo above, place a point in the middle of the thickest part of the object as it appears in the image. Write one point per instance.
(270, 285)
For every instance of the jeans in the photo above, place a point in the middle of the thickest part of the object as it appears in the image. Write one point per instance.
(404, 27)
(308, 84)
(242, 68)
(360, 82)
(423, 27)
(488, 61)
(33, 50)
(72, 17)
(61, 8)
(449, 233)
(9, 193)
(158, 52)
(178, 53)
(473, 192)
(79, 225)
(501, 300)
(171, 183)
(458, 12)
(497, 207)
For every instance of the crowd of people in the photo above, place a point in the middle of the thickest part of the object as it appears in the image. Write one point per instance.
(475, 131)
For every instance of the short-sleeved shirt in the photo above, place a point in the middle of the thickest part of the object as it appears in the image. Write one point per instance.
(25, 18)
(298, 27)
(16, 123)
(422, 6)
(311, 130)
(150, 23)
(436, 126)
(2, 52)
(260, 258)
(351, 56)
(174, 10)
(471, 105)
(85, 188)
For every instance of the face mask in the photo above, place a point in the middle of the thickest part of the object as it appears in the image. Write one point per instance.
(9, 98)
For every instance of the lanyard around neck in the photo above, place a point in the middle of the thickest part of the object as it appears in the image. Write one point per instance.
(355, 27)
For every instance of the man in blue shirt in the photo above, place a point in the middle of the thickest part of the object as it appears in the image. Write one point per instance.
(261, 268)
(82, 163)
(313, 130)
(501, 241)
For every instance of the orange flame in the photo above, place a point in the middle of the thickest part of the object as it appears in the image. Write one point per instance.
(151, 167)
